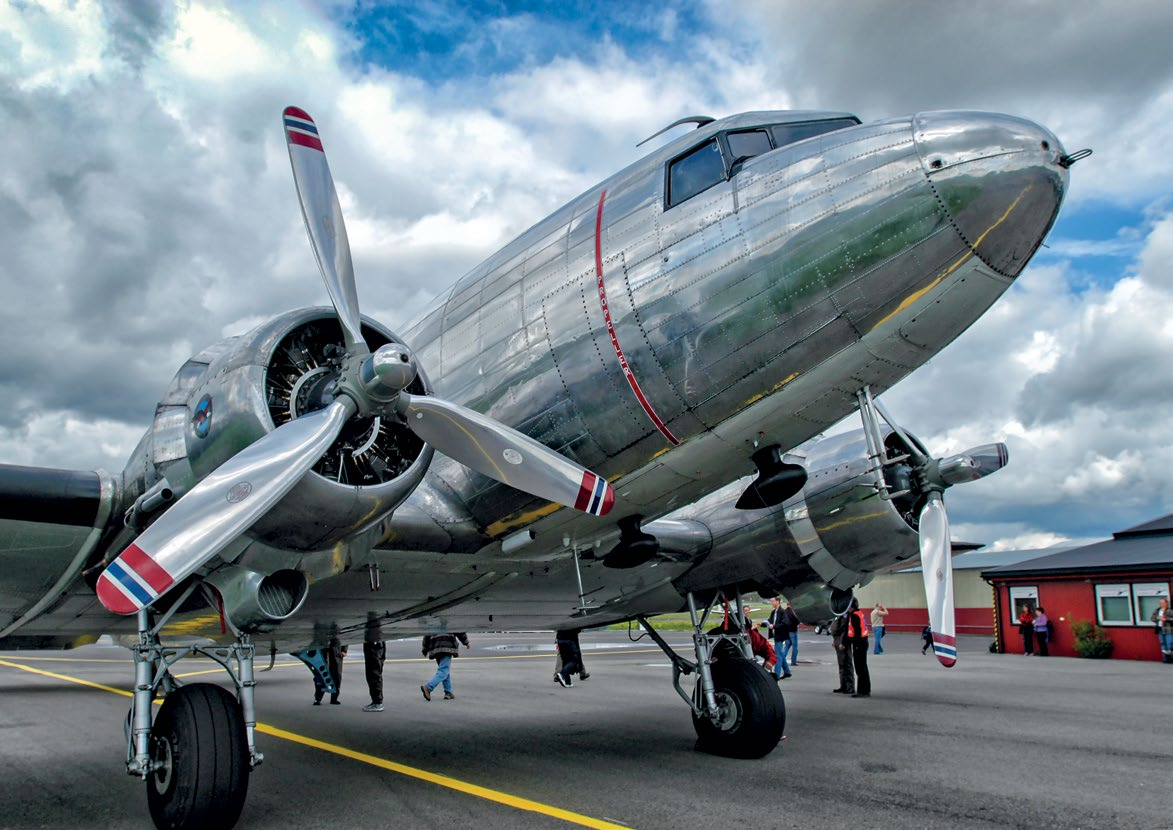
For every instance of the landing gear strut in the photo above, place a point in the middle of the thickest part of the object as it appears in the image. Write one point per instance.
(196, 756)
(737, 708)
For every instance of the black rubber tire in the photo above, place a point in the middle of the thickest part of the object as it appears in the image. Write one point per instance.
(754, 715)
(199, 735)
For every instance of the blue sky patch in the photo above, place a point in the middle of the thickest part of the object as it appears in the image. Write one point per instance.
(439, 40)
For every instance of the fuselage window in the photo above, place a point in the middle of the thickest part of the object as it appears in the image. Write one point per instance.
(748, 143)
(699, 170)
(789, 133)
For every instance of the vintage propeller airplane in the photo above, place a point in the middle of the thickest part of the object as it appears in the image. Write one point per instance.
(615, 416)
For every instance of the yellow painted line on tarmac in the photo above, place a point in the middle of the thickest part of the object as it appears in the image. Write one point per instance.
(66, 678)
(66, 659)
(445, 781)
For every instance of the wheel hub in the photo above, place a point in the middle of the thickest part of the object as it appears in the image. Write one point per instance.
(161, 765)
(729, 712)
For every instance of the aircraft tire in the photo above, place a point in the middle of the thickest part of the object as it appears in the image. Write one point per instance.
(199, 739)
(753, 715)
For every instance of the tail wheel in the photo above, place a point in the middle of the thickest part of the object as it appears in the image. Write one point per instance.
(751, 714)
(199, 752)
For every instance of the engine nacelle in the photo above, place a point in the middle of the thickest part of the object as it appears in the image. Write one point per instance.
(841, 526)
(237, 390)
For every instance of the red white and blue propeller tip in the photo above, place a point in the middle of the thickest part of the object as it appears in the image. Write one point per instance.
(945, 647)
(595, 495)
(132, 581)
(300, 129)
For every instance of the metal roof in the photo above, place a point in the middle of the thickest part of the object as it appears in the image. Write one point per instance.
(976, 560)
(1145, 547)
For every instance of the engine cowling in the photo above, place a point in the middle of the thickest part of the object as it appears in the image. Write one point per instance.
(843, 529)
(820, 543)
(239, 389)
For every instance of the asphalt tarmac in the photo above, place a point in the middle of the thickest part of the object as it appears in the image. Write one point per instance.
(999, 741)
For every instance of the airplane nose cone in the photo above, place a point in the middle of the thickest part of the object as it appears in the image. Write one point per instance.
(997, 177)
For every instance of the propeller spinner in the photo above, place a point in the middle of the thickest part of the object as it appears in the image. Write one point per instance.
(229, 500)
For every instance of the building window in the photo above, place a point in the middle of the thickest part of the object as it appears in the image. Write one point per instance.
(1114, 605)
(1023, 597)
(1147, 598)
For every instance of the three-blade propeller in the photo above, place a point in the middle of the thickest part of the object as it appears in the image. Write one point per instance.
(933, 476)
(232, 498)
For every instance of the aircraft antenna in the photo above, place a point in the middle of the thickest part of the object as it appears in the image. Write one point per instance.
(699, 120)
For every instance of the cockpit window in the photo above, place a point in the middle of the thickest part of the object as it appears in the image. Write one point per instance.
(748, 143)
(699, 170)
(789, 133)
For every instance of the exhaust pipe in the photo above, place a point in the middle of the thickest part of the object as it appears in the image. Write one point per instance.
(256, 602)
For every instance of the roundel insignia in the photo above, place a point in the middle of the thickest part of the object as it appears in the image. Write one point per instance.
(202, 419)
(239, 492)
(512, 456)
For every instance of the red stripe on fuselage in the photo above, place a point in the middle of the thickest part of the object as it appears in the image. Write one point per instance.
(627, 373)
(146, 567)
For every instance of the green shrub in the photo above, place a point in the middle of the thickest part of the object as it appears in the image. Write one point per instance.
(1090, 639)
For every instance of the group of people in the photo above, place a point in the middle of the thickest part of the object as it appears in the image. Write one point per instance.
(442, 648)
(439, 647)
(1035, 630)
(849, 634)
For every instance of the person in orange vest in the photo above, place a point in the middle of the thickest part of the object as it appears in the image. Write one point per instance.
(857, 637)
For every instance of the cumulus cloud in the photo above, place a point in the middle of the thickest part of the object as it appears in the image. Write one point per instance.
(1077, 385)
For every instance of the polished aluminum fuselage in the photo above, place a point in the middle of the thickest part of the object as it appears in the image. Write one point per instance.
(661, 346)
(749, 315)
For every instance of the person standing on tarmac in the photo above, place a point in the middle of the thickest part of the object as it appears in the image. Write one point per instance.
(878, 614)
(1042, 632)
(334, 652)
(373, 656)
(857, 637)
(1162, 618)
(779, 627)
(842, 656)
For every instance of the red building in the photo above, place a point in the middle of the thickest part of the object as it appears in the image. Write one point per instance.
(1116, 584)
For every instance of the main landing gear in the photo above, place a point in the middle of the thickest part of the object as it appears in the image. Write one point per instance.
(737, 708)
(196, 756)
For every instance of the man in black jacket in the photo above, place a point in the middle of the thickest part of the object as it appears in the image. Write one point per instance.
(778, 624)
(843, 656)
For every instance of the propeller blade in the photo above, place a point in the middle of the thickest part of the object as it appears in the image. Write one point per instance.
(218, 509)
(323, 220)
(504, 454)
(937, 568)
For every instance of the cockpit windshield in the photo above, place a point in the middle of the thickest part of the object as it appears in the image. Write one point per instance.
(716, 160)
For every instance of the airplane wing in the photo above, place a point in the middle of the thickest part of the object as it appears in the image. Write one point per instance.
(51, 523)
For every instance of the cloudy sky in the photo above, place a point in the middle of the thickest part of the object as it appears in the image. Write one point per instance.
(146, 207)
